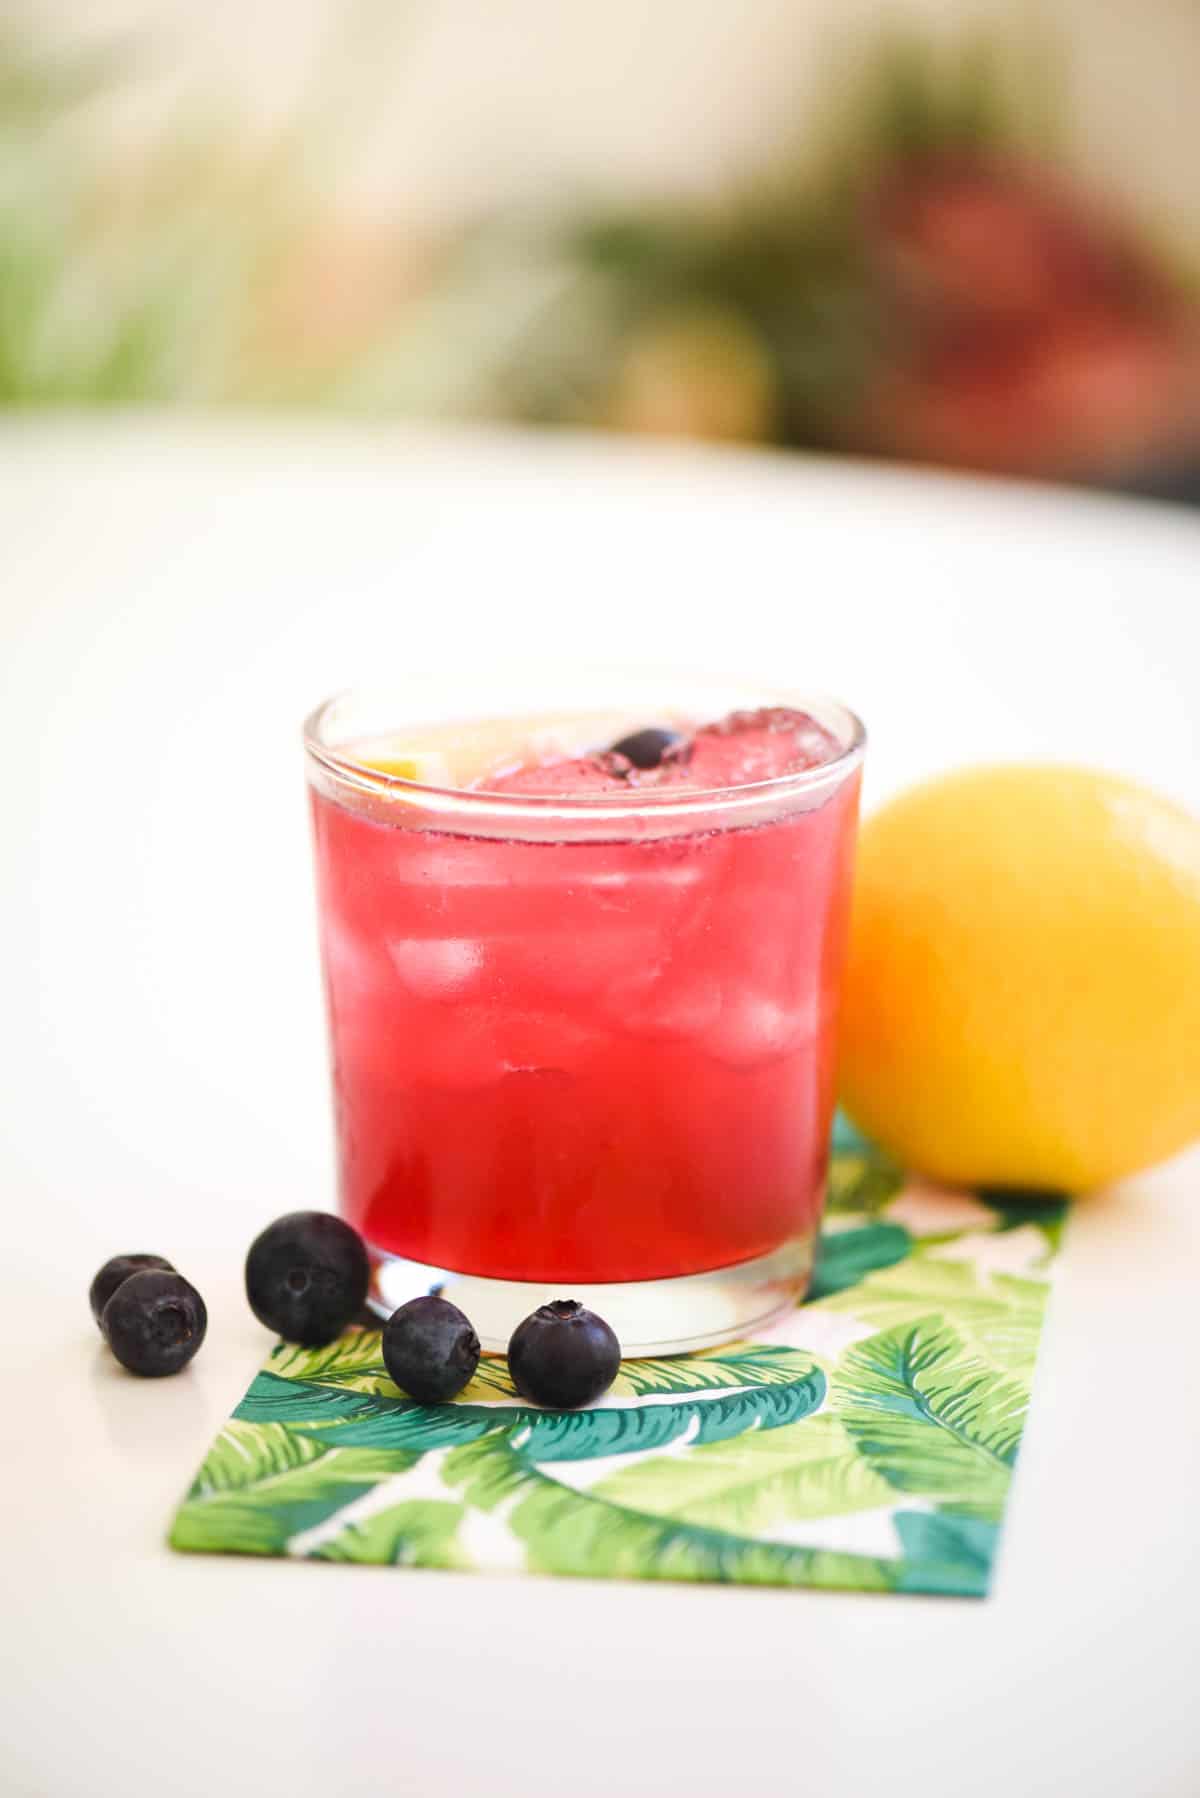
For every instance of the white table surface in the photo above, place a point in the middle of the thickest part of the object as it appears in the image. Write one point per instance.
(172, 598)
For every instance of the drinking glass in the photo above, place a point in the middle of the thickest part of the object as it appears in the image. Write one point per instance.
(582, 1047)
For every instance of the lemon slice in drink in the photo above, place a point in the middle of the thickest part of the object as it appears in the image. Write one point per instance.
(426, 766)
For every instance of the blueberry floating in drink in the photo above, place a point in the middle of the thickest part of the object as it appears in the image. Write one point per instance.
(646, 748)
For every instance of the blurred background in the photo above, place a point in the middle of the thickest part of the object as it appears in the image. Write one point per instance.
(947, 231)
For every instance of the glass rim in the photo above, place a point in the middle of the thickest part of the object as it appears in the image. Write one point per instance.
(660, 802)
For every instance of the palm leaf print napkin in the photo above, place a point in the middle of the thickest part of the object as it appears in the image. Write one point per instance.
(868, 1442)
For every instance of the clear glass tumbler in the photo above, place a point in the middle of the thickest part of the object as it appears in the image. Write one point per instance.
(583, 1047)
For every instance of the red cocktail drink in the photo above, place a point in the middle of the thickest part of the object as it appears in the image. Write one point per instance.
(582, 1016)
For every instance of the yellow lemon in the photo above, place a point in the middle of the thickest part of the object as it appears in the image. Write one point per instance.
(1023, 996)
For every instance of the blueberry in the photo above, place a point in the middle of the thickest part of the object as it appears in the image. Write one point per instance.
(154, 1321)
(563, 1355)
(430, 1349)
(113, 1272)
(646, 748)
(307, 1276)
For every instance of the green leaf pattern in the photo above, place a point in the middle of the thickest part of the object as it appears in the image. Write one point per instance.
(869, 1444)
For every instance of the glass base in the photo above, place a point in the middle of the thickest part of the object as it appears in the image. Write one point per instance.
(650, 1317)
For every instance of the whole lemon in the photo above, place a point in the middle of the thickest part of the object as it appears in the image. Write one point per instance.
(1023, 996)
